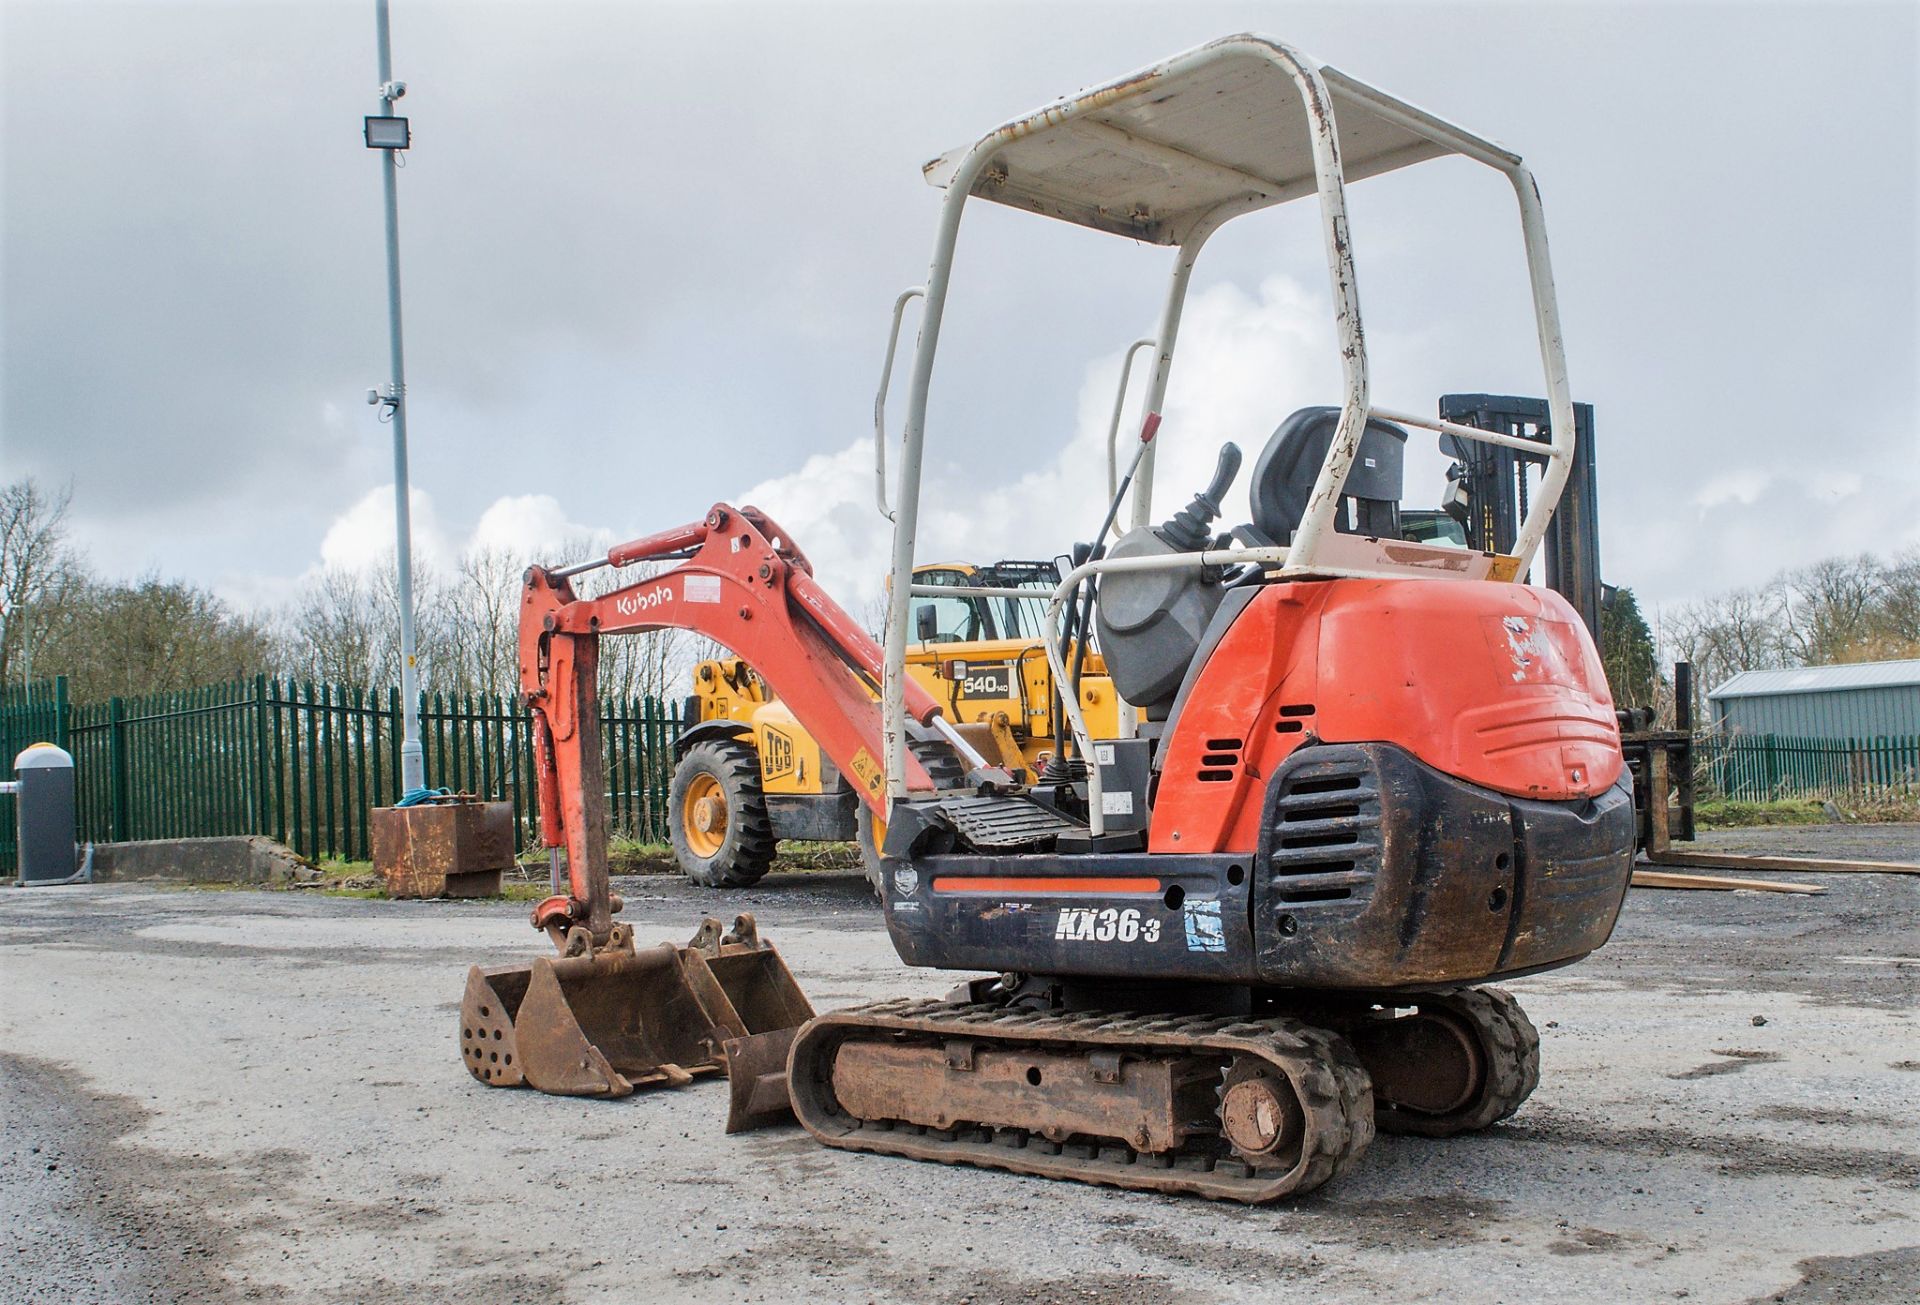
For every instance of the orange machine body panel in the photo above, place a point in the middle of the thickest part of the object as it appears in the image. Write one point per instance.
(1495, 684)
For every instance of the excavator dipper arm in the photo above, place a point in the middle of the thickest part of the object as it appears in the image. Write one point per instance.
(740, 582)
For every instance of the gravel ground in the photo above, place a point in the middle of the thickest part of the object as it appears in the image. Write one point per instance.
(252, 1095)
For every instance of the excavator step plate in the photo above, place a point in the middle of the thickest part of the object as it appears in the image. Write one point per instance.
(1005, 824)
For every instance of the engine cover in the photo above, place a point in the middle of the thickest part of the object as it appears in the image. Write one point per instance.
(1495, 684)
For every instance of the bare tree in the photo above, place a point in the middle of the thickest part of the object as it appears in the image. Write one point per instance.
(1896, 621)
(337, 634)
(345, 628)
(1839, 609)
(1740, 630)
(151, 636)
(1827, 609)
(478, 652)
(37, 568)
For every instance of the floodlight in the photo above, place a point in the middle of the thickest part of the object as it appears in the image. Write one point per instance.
(388, 134)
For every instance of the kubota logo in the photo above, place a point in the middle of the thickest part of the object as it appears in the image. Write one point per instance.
(645, 601)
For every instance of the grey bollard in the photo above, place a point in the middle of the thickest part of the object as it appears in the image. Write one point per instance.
(46, 826)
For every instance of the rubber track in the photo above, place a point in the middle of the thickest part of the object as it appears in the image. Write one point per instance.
(1512, 1049)
(1326, 1073)
(738, 767)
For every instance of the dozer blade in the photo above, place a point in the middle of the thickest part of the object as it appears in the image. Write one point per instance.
(602, 1023)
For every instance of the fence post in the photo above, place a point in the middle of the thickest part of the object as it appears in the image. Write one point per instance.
(260, 755)
(117, 765)
(393, 735)
(62, 716)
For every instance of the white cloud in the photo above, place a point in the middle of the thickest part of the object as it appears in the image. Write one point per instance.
(1744, 487)
(524, 525)
(533, 525)
(362, 537)
(1245, 361)
(1760, 521)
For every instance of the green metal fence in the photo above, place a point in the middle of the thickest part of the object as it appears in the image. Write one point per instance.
(306, 764)
(1756, 767)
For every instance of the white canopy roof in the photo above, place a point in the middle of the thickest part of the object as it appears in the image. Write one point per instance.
(1153, 154)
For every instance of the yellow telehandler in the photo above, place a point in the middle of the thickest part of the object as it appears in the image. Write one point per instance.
(749, 775)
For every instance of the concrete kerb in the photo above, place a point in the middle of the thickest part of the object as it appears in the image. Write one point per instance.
(241, 859)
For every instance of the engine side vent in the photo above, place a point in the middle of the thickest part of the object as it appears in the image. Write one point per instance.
(1323, 837)
(1220, 760)
(1294, 718)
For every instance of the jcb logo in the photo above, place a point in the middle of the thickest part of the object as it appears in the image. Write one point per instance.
(776, 755)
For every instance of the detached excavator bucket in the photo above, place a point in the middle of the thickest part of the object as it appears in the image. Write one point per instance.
(601, 1023)
(771, 1008)
(757, 1080)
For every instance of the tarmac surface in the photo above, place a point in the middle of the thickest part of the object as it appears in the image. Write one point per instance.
(249, 1095)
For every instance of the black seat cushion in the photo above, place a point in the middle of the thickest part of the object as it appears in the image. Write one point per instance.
(1283, 477)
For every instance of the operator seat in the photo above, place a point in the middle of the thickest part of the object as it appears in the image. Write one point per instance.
(1283, 478)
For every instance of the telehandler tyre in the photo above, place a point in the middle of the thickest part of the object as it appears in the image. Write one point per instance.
(870, 834)
(721, 834)
(945, 770)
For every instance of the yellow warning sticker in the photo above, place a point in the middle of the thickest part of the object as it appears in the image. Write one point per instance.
(868, 771)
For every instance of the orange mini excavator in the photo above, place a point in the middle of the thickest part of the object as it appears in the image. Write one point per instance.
(1366, 770)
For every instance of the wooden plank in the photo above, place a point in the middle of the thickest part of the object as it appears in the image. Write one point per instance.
(1662, 879)
(1786, 864)
(1660, 850)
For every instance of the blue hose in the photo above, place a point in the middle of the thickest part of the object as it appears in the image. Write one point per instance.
(419, 797)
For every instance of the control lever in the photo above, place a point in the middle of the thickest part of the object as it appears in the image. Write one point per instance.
(1190, 529)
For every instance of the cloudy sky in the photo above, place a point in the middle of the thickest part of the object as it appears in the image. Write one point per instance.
(649, 253)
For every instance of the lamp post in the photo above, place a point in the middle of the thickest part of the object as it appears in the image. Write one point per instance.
(389, 133)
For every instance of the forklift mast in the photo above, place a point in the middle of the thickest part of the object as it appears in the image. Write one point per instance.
(1496, 481)
(1498, 486)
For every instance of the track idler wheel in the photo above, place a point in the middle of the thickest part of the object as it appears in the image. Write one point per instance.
(1462, 1061)
(1260, 1115)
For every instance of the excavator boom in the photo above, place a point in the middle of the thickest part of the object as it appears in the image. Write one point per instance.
(738, 580)
(604, 1017)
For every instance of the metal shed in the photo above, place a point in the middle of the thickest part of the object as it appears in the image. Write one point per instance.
(1860, 700)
